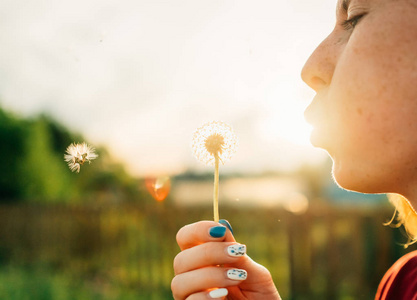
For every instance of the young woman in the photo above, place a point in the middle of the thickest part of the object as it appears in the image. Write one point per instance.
(365, 116)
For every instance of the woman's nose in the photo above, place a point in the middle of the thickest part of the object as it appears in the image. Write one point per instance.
(318, 70)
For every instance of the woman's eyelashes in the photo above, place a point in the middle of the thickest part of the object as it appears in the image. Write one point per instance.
(351, 23)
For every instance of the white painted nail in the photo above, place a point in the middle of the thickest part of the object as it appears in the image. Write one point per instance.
(218, 293)
(236, 250)
(237, 274)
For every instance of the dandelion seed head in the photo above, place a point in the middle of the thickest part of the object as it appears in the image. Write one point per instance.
(214, 144)
(214, 138)
(75, 167)
(78, 154)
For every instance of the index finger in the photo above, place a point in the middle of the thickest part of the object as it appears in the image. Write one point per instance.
(198, 233)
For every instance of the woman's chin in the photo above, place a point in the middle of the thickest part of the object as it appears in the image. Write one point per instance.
(356, 180)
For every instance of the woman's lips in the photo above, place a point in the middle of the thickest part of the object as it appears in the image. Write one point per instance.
(315, 115)
(315, 137)
(320, 138)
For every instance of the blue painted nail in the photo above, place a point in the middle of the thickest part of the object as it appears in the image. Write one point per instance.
(227, 224)
(217, 231)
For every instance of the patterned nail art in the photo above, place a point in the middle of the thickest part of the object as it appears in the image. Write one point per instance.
(236, 250)
(237, 274)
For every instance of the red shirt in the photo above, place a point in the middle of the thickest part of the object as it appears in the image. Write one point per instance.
(400, 281)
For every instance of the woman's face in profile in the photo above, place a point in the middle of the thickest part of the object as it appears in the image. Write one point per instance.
(365, 110)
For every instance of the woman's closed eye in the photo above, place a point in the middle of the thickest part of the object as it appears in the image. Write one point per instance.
(351, 23)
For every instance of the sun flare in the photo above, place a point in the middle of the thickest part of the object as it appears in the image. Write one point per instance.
(288, 124)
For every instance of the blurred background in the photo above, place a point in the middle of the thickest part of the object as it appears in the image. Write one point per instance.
(135, 79)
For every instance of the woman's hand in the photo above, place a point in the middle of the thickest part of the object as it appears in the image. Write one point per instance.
(211, 261)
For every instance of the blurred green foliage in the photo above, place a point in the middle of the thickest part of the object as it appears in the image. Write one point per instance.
(33, 167)
(126, 251)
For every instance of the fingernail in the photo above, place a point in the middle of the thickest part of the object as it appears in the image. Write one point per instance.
(237, 274)
(236, 250)
(217, 231)
(218, 293)
(227, 224)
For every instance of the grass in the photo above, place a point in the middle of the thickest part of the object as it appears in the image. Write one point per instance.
(40, 283)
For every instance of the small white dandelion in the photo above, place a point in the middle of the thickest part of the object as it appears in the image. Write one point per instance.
(214, 139)
(212, 143)
(78, 154)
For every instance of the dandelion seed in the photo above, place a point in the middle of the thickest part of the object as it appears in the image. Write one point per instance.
(78, 154)
(212, 143)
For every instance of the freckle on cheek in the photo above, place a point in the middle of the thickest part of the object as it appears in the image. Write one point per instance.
(359, 111)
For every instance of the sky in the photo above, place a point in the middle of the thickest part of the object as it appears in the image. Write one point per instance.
(139, 76)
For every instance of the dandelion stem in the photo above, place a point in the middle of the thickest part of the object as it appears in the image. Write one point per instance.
(216, 188)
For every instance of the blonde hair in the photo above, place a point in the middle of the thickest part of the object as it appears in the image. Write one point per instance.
(406, 216)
